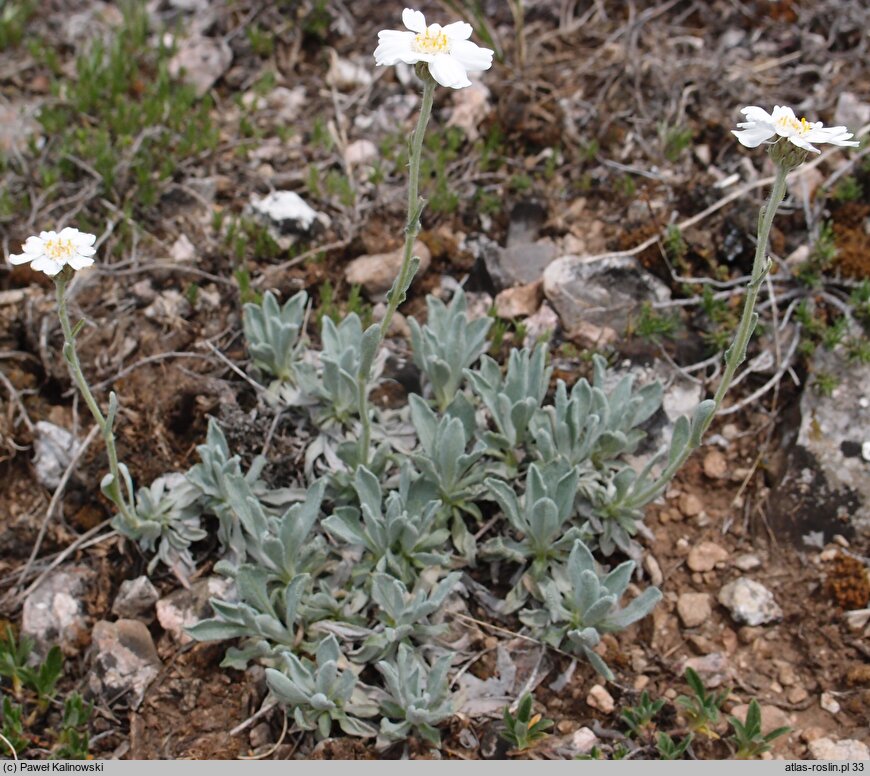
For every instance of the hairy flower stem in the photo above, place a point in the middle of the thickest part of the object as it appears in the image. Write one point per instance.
(113, 491)
(736, 354)
(399, 290)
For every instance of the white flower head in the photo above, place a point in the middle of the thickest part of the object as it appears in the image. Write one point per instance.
(51, 252)
(761, 126)
(447, 50)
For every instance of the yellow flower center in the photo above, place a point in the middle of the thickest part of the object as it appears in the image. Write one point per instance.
(801, 127)
(432, 41)
(58, 249)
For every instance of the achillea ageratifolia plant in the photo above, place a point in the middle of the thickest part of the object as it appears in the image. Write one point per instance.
(356, 566)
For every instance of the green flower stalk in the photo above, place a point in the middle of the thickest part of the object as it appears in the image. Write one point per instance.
(442, 55)
(111, 484)
(794, 141)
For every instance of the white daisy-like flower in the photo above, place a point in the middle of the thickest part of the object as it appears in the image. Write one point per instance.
(447, 50)
(761, 126)
(51, 252)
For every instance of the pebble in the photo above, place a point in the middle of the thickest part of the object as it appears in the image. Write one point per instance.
(715, 465)
(797, 695)
(136, 599)
(858, 675)
(376, 272)
(54, 447)
(747, 562)
(811, 734)
(288, 212)
(786, 675)
(261, 735)
(694, 609)
(750, 602)
(360, 152)
(705, 556)
(542, 324)
(651, 566)
(829, 703)
(125, 660)
(690, 505)
(599, 698)
(519, 301)
(640, 682)
(184, 608)
(729, 640)
(583, 740)
(845, 749)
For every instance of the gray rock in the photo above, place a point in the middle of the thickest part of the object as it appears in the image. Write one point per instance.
(826, 484)
(184, 608)
(519, 264)
(200, 62)
(54, 614)
(845, 749)
(124, 662)
(136, 599)
(604, 293)
(55, 448)
(851, 112)
(542, 324)
(750, 602)
(288, 212)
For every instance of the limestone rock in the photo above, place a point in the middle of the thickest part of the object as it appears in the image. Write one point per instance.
(750, 602)
(54, 447)
(826, 471)
(183, 608)
(125, 660)
(54, 614)
(602, 292)
(136, 599)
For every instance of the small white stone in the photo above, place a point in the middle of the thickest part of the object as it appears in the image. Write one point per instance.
(599, 698)
(829, 703)
(865, 448)
(846, 749)
(287, 209)
(749, 602)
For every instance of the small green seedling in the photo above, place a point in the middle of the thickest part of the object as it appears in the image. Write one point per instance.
(701, 709)
(14, 654)
(74, 741)
(748, 737)
(524, 729)
(639, 719)
(669, 749)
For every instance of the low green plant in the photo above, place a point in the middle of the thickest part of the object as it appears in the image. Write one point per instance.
(639, 718)
(668, 749)
(16, 665)
(73, 740)
(323, 691)
(580, 604)
(748, 738)
(418, 697)
(524, 729)
(701, 708)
